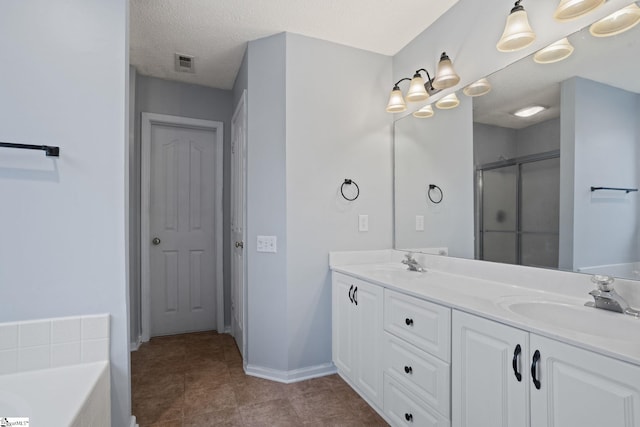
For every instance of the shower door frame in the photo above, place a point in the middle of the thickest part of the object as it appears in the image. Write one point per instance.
(479, 220)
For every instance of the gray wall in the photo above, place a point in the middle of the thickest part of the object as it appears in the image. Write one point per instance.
(63, 247)
(336, 128)
(160, 96)
(267, 329)
(602, 152)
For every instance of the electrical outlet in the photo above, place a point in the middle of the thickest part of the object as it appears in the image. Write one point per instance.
(267, 244)
(363, 222)
(419, 222)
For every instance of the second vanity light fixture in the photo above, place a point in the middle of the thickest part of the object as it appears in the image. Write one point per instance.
(517, 31)
(419, 90)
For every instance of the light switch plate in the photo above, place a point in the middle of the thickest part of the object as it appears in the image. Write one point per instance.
(267, 244)
(363, 222)
(419, 222)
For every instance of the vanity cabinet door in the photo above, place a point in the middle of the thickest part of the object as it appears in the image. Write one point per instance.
(357, 334)
(579, 388)
(485, 388)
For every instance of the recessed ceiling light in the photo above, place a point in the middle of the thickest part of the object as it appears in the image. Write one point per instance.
(529, 111)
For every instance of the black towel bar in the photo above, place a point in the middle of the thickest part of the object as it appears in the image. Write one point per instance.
(49, 150)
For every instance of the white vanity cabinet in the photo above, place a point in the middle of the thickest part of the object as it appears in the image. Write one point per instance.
(564, 387)
(357, 334)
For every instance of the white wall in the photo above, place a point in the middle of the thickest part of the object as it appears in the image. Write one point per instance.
(603, 153)
(62, 251)
(336, 128)
(436, 150)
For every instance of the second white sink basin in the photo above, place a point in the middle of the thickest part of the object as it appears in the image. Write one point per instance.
(574, 316)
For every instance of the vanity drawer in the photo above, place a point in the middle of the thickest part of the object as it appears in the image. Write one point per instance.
(403, 410)
(421, 323)
(425, 376)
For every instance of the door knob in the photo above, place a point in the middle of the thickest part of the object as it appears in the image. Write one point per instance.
(239, 245)
(156, 241)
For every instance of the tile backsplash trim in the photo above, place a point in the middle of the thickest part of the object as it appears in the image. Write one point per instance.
(50, 343)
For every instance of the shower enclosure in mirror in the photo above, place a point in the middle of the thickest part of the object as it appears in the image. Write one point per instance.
(518, 190)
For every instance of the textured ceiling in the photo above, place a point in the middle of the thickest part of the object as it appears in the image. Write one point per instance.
(216, 32)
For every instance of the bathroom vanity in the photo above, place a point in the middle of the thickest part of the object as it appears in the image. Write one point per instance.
(470, 343)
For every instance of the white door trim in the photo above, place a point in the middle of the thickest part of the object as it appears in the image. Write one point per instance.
(149, 119)
(242, 108)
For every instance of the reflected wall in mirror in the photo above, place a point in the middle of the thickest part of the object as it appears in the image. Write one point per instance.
(518, 190)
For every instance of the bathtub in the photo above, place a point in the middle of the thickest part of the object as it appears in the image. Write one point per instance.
(69, 396)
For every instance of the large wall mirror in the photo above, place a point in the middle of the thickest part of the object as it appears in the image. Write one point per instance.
(557, 189)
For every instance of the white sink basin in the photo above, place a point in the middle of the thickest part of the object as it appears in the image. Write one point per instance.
(574, 316)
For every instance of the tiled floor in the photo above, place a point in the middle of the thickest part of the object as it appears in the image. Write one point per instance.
(197, 380)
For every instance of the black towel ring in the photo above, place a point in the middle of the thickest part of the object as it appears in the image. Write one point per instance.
(348, 181)
(431, 188)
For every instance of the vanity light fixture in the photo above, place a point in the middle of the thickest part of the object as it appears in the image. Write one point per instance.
(478, 88)
(555, 52)
(572, 9)
(448, 102)
(616, 23)
(517, 31)
(419, 90)
(424, 112)
(529, 111)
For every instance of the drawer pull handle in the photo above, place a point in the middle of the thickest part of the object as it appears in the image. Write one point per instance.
(534, 365)
(350, 290)
(408, 321)
(355, 295)
(516, 353)
(408, 370)
(408, 417)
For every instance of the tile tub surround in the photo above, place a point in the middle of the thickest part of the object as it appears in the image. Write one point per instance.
(198, 380)
(483, 288)
(50, 343)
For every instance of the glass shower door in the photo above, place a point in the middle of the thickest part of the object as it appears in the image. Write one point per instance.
(499, 215)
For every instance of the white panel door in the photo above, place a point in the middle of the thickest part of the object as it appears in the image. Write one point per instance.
(182, 232)
(238, 200)
(579, 388)
(367, 300)
(484, 385)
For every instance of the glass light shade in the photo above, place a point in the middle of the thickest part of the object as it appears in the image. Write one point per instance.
(479, 88)
(424, 112)
(446, 76)
(572, 9)
(448, 102)
(616, 23)
(417, 91)
(517, 32)
(396, 102)
(555, 52)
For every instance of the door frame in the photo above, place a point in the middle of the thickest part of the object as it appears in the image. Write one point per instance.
(241, 107)
(147, 121)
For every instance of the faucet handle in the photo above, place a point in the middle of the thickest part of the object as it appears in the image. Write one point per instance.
(604, 283)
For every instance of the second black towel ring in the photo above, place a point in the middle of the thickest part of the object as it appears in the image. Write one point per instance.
(348, 181)
(431, 188)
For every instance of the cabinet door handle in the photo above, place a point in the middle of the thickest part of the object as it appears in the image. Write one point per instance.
(534, 366)
(350, 290)
(408, 370)
(516, 353)
(408, 417)
(355, 295)
(408, 321)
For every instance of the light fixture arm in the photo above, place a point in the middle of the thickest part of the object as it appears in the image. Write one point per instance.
(429, 79)
(396, 86)
(517, 6)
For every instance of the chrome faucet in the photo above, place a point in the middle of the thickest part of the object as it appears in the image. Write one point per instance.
(605, 297)
(411, 263)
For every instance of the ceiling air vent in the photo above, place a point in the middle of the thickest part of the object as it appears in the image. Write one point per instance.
(184, 63)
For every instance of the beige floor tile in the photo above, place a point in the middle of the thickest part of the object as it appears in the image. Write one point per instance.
(224, 418)
(272, 413)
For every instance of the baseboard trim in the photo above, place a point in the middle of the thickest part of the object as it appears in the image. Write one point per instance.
(227, 329)
(135, 345)
(293, 376)
(133, 421)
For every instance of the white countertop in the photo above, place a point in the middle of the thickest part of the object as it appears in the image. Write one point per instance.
(605, 332)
